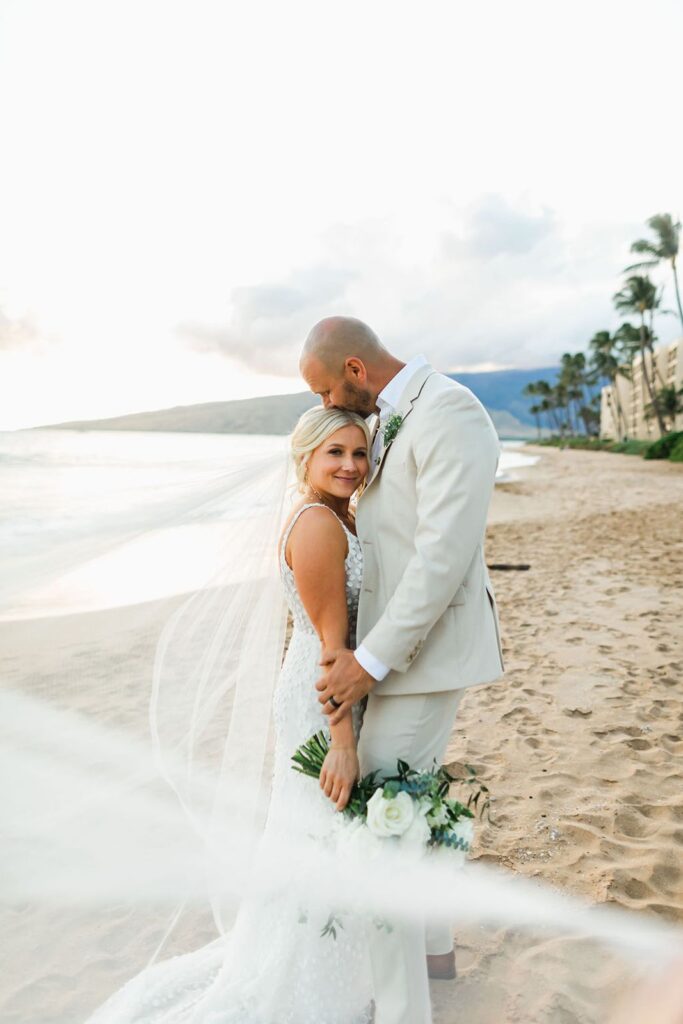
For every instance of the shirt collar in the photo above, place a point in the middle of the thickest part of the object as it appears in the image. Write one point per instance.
(389, 396)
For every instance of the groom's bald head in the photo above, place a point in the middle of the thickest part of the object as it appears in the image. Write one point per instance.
(345, 363)
(335, 338)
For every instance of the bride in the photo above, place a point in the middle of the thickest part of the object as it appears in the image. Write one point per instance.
(280, 963)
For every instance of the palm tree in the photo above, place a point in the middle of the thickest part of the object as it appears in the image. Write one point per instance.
(544, 391)
(639, 295)
(627, 340)
(664, 247)
(536, 409)
(560, 400)
(605, 365)
(575, 380)
(590, 414)
(627, 337)
(669, 401)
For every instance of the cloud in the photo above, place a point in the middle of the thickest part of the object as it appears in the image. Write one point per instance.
(17, 332)
(493, 226)
(270, 321)
(495, 283)
(527, 301)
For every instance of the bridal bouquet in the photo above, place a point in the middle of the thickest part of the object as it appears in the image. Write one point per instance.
(412, 806)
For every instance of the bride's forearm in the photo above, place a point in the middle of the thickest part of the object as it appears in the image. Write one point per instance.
(343, 736)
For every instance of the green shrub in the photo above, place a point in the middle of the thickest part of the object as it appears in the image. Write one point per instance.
(677, 450)
(596, 444)
(635, 447)
(662, 448)
(632, 447)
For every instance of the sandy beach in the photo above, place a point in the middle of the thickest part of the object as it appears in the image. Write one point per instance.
(580, 743)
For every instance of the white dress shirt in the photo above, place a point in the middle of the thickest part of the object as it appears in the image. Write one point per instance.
(387, 400)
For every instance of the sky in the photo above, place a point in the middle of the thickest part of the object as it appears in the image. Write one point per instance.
(187, 187)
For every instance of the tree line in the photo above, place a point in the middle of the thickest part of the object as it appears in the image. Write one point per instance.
(571, 405)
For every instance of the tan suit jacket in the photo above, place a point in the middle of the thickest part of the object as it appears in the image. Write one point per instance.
(427, 607)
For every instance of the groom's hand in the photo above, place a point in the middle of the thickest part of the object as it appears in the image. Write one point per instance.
(346, 680)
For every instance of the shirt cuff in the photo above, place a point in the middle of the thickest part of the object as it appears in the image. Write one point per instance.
(376, 668)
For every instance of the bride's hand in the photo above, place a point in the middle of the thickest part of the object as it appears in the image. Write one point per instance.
(339, 772)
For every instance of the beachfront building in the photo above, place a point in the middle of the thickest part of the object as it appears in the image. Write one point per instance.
(633, 397)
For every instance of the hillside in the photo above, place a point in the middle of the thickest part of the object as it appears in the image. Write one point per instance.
(502, 389)
(499, 391)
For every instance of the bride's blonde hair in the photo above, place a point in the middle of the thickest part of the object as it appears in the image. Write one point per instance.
(313, 428)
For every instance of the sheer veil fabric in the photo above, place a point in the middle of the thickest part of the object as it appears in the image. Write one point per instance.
(152, 819)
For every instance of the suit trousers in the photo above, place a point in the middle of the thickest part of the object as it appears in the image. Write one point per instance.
(415, 727)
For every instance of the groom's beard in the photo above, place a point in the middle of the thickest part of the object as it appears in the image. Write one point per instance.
(357, 399)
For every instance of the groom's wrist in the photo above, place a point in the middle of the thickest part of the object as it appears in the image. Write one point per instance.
(372, 665)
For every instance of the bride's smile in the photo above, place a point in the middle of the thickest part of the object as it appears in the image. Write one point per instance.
(337, 468)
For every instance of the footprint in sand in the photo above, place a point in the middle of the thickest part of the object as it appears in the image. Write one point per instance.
(629, 823)
(667, 877)
(638, 744)
(637, 890)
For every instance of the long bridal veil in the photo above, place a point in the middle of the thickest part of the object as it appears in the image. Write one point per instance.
(135, 775)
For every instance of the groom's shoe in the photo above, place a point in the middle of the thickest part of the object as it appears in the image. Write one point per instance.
(441, 965)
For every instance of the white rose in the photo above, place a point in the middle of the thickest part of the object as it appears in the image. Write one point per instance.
(390, 817)
(418, 832)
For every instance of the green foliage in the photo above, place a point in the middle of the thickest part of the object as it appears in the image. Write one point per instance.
(595, 444)
(677, 451)
(445, 838)
(662, 448)
(330, 926)
(309, 757)
(393, 425)
(633, 447)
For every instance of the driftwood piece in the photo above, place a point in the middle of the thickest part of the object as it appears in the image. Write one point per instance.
(507, 566)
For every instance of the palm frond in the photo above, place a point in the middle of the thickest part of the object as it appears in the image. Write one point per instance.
(668, 232)
(644, 245)
(640, 266)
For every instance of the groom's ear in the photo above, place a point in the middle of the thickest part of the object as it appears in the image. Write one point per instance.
(355, 368)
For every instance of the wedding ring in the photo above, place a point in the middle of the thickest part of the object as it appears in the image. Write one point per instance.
(333, 702)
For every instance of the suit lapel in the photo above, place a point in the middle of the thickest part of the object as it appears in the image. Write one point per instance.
(403, 409)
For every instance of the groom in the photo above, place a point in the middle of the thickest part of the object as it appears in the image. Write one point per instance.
(427, 618)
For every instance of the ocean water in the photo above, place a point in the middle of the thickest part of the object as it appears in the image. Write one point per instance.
(65, 495)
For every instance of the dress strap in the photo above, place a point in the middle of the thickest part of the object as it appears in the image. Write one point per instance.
(312, 504)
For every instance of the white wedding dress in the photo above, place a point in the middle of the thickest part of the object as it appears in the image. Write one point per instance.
(273, 966)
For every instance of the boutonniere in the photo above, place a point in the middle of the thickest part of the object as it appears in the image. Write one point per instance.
(391, 428)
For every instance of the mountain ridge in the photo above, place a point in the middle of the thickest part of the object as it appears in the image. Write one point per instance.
(498, 390)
